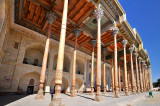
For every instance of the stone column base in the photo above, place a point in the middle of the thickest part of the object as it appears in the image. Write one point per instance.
(138, 92)
(98, 98)
(56, 102)
(116, 95)
(39, 95)
(92, 93)
(134, 92)
(104, 92)
(73, 94)
(126, 94)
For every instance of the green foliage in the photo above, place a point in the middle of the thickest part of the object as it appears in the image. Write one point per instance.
(156, 84)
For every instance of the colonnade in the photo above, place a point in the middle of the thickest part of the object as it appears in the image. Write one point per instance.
(138, 85)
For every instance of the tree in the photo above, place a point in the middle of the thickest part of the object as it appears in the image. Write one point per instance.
(156, 84)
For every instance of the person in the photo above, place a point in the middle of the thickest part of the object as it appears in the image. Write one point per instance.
(51, 92)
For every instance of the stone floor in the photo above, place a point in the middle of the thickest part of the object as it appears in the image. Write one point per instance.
(84, 99)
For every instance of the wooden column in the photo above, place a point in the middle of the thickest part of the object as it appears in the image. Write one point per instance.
(104, 71)
(114, 32)
(51, 17)
(119, 75)
(124, 42)
(59, 70)
(98, 15)
(76, 33)
(150, 79)
(112, 71)
(144, 76)
(132, 72)
(140, 73)
(128, 76)
(137, 74)
(93, 43)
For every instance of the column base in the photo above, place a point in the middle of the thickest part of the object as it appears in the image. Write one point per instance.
(92, 93)
(126, 94)
(73, 94)
(141, 91)
(104, 92)
(134, 92)
(116, 95)
(138, 92)
(56, 102)
(39, 95)
(98, 98)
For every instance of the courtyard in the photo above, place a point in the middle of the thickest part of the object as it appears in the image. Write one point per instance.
(83, 99)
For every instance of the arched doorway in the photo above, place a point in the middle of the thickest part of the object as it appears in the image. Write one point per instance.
(64, 85)
(29, 82)
(30, 87)
(79, 85)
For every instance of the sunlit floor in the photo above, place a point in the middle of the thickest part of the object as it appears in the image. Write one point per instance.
(83, 99)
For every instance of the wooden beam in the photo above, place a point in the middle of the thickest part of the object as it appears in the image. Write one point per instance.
(69, 34)
(85, 42)
(68, 20)
(118, 40)
(40, 3)
(45, 25)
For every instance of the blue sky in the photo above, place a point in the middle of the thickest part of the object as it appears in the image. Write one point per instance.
(144, 15)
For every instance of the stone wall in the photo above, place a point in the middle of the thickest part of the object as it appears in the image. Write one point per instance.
(13, 67)
(18, 42)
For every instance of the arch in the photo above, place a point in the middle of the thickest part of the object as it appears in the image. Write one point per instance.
(34, 55)
(29, 79)
(79, 84)
(64, 84)
(66, 63)
(31, 82)
(80, 67)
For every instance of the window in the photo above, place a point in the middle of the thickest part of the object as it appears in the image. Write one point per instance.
(35, 62)
(89, 65)
(25, 61)
(31, 82)
(16, 45)
(121, 79)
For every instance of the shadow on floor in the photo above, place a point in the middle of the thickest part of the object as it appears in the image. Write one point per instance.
(67, 94)
(85, 97)
(108, 96)
(9, 98)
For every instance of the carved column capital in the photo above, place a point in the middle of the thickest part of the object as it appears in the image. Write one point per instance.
(124, 43)
(115, 31)
(131, 49)
(76, 32)
(146, 66)
(51, 17)
(104, 50)
(135, 55)
(140, 58)
(143, 62)
(98, 13)
(149, 66)
(93, 43)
